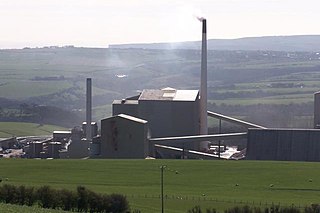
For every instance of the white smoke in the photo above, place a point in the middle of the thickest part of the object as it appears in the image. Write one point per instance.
(200, 18)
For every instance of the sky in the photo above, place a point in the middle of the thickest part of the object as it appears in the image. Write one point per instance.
(98, 23)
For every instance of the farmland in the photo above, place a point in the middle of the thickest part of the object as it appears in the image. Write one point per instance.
(218, 184)
(56, 77)
(9, 129)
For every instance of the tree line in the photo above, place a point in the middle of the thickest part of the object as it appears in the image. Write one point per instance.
(81, 200)
(40, 114)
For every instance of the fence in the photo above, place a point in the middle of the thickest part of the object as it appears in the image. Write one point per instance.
(204, 198)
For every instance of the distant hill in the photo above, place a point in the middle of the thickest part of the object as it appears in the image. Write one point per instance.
(305, 43)
(44, 85)
(9, 129)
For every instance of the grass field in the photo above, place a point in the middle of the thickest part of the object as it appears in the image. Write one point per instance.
(9, 129)
(241, 78)
(218, 184)
(8, 208)
(26, 88)
(279, 100)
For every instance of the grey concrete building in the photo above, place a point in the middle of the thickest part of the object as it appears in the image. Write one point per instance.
(94, 128)
(124, 136)
(8, 143)
(53, 149)
(283, 144)
(35, 149)
(60, 136)
(95, 147)
(169, 112)
(79, 147)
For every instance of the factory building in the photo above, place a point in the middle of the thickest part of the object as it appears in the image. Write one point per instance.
(60, 136)
(78, 147)
(94, 128)
(95, 147)
(123, 136)
(8, 143)
(176, 120)
(53, 149)
(286, 144)
(283, 144)
(35, 149)
(169, 112)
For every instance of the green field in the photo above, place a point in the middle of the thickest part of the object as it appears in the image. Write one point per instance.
(56, 77)
(26, 88)
(218, 184)
(8, 208)
(9, 129)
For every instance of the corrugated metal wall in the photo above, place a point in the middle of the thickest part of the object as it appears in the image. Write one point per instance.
(283, 144)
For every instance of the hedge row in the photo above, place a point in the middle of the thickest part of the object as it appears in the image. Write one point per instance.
(314, 208)
(83, 200)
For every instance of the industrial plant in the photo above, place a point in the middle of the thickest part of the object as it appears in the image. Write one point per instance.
(172, 123)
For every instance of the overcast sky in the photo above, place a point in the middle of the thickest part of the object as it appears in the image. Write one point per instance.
(98, 23)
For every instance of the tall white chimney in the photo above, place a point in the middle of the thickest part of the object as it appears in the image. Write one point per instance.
(203, 88)
(88, 110)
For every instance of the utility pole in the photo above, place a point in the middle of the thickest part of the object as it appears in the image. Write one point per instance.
(183, 157)
(219, 142)
(161, 175)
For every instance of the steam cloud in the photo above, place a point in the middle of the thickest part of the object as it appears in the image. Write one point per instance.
(200, 18)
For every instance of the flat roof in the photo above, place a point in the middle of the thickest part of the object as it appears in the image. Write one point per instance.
(62, 131)
(169, 94)
(284, 129)
(129, 117)
(186, 95)
(92, 122)
(125, 101)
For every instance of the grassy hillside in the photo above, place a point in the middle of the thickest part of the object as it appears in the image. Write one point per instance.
(60, 72)
(218, 184)
(276, 43)
(8, 129)
(56, 77)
